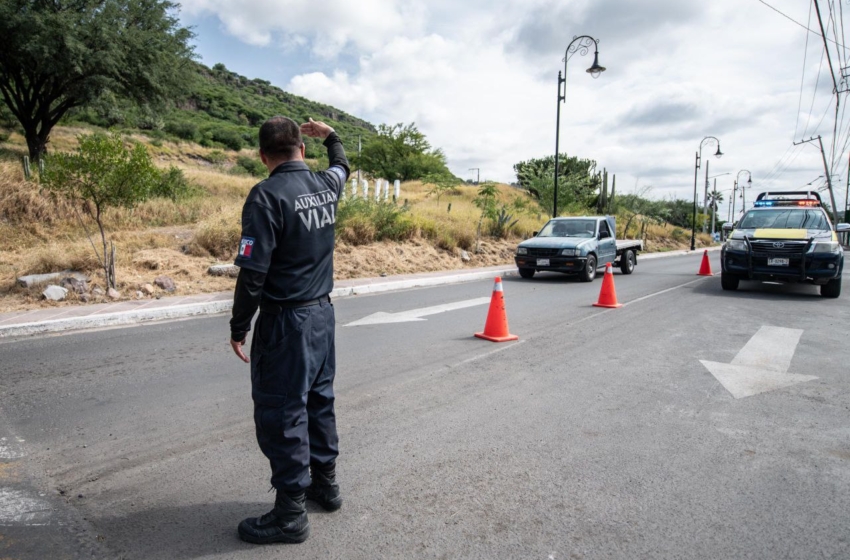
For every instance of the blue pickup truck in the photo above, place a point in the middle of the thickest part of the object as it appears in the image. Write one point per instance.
(576, 245)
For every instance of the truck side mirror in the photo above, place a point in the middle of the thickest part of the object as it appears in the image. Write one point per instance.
(842, 228)
(604, 235)
(535, 234)
(727, 227)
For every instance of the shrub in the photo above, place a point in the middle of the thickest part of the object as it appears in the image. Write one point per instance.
(216, 157)
(185, 130)
(219, 235)
(229, 137)
(361, 221)
(172, 184)
(252, 165)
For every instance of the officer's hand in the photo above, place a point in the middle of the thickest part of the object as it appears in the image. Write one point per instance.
(316, 129)
(237, 348)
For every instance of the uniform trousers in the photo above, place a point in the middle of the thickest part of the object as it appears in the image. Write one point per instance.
(293, 364)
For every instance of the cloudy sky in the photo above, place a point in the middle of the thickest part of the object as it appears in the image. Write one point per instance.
(479, 79)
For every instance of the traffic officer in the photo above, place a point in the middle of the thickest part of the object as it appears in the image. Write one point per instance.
(286, 269)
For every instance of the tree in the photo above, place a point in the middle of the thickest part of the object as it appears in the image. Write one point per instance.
(401, 152)
(105, 173)
(578, 181)
(441, 184)
(56, 55)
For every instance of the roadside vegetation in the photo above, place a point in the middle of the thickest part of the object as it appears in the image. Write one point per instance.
(124, 158)
(181, 236)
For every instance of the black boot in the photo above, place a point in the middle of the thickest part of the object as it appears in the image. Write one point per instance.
(286, 523)
(324, 490)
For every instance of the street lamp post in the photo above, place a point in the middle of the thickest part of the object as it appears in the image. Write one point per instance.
(696, 176)
(734, 192)
(713, 199)
(580, 44)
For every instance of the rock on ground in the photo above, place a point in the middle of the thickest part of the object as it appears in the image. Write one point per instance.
(147, 290)
(55, 293)
(165, 283)
(74, 285)
(230, 270)
(112, 293)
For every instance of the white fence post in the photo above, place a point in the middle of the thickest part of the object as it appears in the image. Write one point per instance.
(354, 187)
(365, 186)
(397, 185)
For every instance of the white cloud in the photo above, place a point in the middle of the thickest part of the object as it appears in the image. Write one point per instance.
(328, 26)
(478, 78)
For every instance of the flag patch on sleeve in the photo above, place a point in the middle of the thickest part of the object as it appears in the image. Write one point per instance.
(246, 247)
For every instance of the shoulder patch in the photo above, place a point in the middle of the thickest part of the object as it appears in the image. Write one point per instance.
(246, 247)
(339, 172)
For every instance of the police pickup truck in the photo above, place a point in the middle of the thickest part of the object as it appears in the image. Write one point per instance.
(785, 237)
(576, 245)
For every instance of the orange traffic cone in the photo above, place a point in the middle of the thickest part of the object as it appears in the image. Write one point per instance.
(608, 295)
(705, 267)
(496, 327)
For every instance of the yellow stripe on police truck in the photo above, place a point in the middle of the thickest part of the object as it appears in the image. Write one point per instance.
(781, 234)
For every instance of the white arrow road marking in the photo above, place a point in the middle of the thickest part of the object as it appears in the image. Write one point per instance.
(18, 508)
(761, 365)
(416, 314)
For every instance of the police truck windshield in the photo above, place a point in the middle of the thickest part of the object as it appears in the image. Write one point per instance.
(785, 218)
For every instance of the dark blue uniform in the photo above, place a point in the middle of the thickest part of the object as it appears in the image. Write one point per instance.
(286, 261)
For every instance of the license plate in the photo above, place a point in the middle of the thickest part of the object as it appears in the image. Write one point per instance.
(542, 262)
(778, 262)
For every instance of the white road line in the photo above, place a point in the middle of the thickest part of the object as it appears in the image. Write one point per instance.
(11, 449)
(18, 508)
(488, 354)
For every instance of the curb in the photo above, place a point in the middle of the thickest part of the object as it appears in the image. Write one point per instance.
(211, 308)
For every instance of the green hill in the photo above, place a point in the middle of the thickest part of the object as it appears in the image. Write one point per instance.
(220, 109)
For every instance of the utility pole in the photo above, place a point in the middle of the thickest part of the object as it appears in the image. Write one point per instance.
(825, 172)
(359, 160)
(477, 174)
(732, 206)
(705, 197)
(713, 209)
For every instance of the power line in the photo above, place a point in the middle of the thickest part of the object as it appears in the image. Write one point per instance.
(789, 18)
(814, 95)
(803, 77)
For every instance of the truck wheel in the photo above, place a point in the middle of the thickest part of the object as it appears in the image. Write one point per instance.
(729, 282)
(526, 272)
(589, 272)
(627, 262)
(831, 289)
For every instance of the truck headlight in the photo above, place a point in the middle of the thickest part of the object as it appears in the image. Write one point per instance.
(569, 252)
(522, 251)
(736, 245)
(828, 247)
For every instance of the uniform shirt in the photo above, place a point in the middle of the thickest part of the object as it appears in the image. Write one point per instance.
(287, 243)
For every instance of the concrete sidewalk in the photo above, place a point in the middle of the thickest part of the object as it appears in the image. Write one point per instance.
(76, 317)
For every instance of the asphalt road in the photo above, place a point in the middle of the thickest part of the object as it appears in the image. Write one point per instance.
(600, 434)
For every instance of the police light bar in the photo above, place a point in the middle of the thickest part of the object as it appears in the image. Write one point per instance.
(786, 203)
(789, 198)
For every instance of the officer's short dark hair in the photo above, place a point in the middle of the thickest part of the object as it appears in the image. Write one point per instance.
(280, 137)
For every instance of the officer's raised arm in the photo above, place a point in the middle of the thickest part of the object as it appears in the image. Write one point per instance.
(339, 169)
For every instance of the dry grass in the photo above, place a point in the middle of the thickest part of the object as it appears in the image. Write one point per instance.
(39, 233)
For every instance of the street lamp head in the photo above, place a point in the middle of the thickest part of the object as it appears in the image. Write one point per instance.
(750, 181)
(718, 154)
(595, 70)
